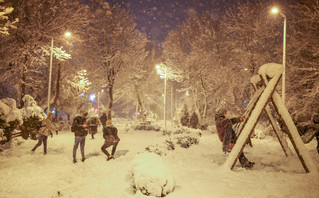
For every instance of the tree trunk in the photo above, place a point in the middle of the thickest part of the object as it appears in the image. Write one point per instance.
(140, 103)
(205, 99)
(110, 78)
(57, 92)
(23, 81)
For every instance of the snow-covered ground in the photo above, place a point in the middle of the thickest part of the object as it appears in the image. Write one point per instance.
(198, 171)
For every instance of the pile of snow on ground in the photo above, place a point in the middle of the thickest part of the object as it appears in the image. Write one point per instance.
(151, 176)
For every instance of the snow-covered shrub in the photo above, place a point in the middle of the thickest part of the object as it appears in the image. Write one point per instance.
(31, 108)
(10, 118)
(146, 127)
(183, 136)
(162, 148)
(186, 141)
(151, 176)
(32, 114)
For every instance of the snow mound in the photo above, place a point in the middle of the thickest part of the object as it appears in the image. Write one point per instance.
(151, 176)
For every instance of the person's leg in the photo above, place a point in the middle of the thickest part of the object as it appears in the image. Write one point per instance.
(45, 145)
(75, 147)
(40, 140)
(82, 145)
(103, 148)
(245, 163)
(114, 147)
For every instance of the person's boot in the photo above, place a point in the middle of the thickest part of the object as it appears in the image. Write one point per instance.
(110, 157)
(74, 161)
(83, 159)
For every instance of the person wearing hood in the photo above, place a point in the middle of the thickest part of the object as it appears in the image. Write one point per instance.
(227, 135)
(111, 139)
(45, 130)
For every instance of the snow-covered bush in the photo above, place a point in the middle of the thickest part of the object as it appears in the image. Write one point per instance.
(31, 108)
(151, 176)
(183, 136)
(32, 114)
(186, 141)
(10, 118)
(162, 148)
(146, 126)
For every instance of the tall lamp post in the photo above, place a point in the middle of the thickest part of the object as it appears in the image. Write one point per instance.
(163, 74)
(67, 34)
(275, 10)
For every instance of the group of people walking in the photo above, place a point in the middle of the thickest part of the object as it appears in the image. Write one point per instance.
(80, 127)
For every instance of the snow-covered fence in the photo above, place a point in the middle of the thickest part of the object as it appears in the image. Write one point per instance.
(151, 176)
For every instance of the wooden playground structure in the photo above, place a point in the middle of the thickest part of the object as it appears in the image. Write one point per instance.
(265, 92)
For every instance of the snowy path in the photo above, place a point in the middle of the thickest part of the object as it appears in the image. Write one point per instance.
(198, 171)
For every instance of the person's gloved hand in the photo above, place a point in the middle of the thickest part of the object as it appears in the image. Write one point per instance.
(57, 132)
(241, 118)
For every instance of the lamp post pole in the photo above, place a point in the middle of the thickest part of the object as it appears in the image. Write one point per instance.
(165, 97)
(50, 75)
(275, 10)
(98, 104)
(284, 61)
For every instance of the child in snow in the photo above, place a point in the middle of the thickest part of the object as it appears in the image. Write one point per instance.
(111, 139)
(45, 130)
(227, 135)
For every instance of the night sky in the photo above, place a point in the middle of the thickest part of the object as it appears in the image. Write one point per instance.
(157, 17)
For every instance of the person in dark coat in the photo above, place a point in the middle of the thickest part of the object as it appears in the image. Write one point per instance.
(227, 135)
(93, 123)
(111, 139)
(194, 120)
(45, 130)
(103, 120)
(80, 133)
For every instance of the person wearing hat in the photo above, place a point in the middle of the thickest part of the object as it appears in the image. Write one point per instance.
(111, 139)
(80, 132)
(45, 130)
(227, 135)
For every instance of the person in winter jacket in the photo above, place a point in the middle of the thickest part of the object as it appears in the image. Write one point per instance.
(111, 139)
(93, 123)
(194, 120)
(103, 119)
(45, 130)
(80, 133)
(227, 135)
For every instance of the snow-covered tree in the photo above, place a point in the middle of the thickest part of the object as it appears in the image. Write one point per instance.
(303, 60)
(114, 39)
(5, 22)
(25, 52)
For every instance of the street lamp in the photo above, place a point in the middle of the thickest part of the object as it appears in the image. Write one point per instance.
(163, 74)
(275, 10)
(67, 34)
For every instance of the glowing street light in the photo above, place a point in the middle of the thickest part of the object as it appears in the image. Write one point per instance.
(67, 34)
(275, 10)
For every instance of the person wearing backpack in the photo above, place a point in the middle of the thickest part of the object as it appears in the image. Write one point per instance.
(111, 139)
(79, 128)
(45, 130)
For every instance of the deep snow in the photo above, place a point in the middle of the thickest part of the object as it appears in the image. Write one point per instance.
(198, 171)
